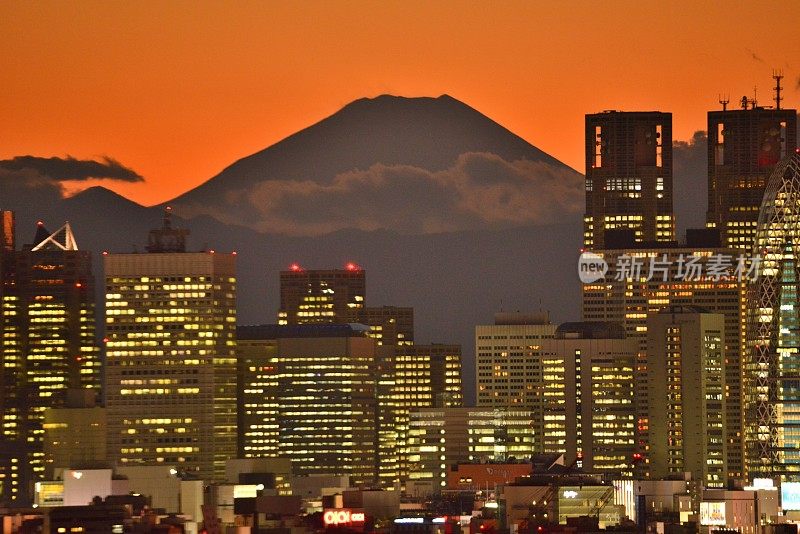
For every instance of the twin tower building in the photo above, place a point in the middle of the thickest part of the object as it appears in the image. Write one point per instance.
(718, 363)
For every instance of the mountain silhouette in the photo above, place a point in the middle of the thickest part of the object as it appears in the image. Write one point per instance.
(415, 165)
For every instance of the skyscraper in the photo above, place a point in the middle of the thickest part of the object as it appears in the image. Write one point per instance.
(170, 353)
(389, 325)
(628, 299)
(597, 421)
(628, 176)
(772, 368)
(327, 401)
(508, 370)
(257, 390)
(744, 145)
(49, 345)
(424, 376)
(441, 437)
(322, 296)
(575, 380)
(686, 413)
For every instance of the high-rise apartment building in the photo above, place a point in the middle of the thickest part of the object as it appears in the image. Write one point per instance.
(744, 145)
(322, 295)
(49, 345)
(628, 297)
(772, 366)
(170, 354)
(628, 176)
(686, 413)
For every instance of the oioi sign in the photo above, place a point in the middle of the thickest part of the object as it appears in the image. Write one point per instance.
(342, 516)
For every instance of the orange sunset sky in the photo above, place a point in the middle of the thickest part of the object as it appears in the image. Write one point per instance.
(178, 90)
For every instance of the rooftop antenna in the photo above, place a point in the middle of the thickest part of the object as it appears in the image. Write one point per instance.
(755, 96)
(724, 100)
(777, 75)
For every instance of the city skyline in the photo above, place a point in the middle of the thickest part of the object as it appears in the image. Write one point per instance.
(216, 94)
(219, 361)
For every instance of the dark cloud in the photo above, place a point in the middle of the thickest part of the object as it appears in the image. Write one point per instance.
(479, 191)
(69, 168)
(690, 181)
(27, 191)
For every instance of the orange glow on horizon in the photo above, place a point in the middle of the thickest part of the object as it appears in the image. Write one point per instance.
(179, 90)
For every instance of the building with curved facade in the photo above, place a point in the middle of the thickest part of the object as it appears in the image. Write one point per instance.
(772, 370)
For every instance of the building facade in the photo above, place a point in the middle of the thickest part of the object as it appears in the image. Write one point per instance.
(258, 394)
(423, 376)
(327, 402)
(597, 421)
(771, 370)
(744, 146)
(322, 295)
(170, 354)
(49, 345)
(628, 176)
(509, 373)
(439, 438)
(629, 298)
(686, 414)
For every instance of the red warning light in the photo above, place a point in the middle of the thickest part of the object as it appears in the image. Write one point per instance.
(105, 340)
(105, 253)
(39, 223)
(233, 253)
(295, 267)
(352, 266)
(78, 284)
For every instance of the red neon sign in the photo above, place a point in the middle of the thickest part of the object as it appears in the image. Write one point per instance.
(342, 517)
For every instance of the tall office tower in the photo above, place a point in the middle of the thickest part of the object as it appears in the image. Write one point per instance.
(75, 435)
(388, 444)
(508, 371)
(326, 408)
(257, 390)
(389, 325)
(628, 176)
(744, 145)
(425, 376)
(441, 437)
(170, 355)
(685, 359)
(322, 296)
(12, 442)
(629, 299)
(597, 422)
(772, 366)
(49, 345)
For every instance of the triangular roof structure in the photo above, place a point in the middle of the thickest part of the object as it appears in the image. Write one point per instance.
(43, 241)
